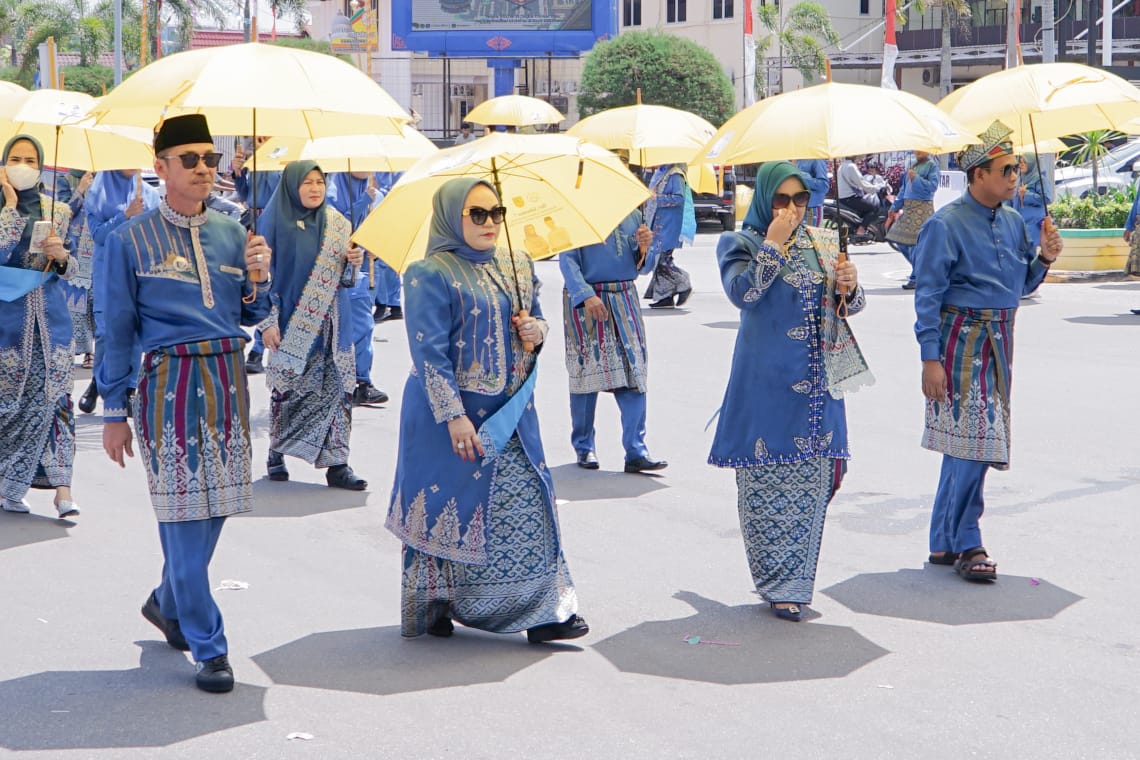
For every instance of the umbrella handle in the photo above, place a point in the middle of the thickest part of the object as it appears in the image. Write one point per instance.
(842, 289)
(255, 276)
(528, 346)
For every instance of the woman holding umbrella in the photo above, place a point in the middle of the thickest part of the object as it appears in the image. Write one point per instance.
(783, 425)
(37, 429)
(475, 508)
(312, 373)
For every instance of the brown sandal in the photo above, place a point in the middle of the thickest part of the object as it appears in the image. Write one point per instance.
(968, 567)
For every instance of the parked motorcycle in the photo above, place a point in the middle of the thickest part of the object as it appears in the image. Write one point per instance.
(876, 232)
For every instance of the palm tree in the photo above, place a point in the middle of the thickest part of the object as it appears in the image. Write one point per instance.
(799, 32)
(1091, 147)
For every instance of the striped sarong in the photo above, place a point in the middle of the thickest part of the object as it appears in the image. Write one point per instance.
(611, 354)
(978, 357)
(193, 430)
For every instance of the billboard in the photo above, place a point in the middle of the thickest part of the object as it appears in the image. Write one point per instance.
(502, 28)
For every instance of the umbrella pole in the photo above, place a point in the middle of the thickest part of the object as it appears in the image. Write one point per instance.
(255, 276)
(523, 313)
(842, 289)
(1046, 223)
(55, 171)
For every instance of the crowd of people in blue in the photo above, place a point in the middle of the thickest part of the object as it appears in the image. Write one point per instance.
(173, 285)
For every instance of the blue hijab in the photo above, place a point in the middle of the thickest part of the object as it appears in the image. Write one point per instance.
(446, 232)
(294, 234)
(28, 201)
(112, 191)
(770, 176)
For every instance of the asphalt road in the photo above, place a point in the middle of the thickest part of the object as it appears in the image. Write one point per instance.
(898, 659)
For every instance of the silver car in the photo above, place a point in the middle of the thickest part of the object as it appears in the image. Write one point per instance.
(1115, 171)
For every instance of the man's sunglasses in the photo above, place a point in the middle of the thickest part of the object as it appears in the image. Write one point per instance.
(190, 160)
(781, 200)
(479, 215)
(1009, 170)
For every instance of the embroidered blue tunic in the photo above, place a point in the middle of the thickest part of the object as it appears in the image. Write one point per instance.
(153, 268)
(466, 360)
(615, 260)
(777, 409)
(973, 257)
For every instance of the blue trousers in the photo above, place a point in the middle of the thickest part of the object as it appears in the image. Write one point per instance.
(958, 505)
(184, 594)
(630, 403)
(387, 290)
(258, 344)
(362, 326)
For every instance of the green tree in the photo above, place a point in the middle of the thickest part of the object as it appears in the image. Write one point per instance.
(1091, 147)
(669, 71)
(799, 35)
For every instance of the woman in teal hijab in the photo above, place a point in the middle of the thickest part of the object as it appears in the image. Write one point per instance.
(37, 431)
(1032, 197)
(312, 372)
(783, 424)
(476, 513)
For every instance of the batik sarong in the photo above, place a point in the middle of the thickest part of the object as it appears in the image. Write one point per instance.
(193, 430)
(668, 279)
(311, 419)
(59, 453)
(914, 214)
(28, 430)
(608, 354)
(525, 582)
(782, 509)
(978, 358)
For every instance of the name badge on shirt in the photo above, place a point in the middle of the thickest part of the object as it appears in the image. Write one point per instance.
(232, 270)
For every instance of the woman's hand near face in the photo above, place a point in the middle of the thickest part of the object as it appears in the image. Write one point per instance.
(784, 223)
(10, 198)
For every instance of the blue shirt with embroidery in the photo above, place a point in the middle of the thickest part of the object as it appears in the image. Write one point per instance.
(614, 260)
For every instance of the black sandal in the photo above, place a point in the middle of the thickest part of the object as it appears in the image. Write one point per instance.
(793, 612)
(275, 466)
(342, 476)
(966, 564)
(942, 558)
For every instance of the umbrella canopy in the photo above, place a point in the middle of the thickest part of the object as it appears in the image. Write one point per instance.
(349, 153)
(823, 122)
(653, 135)
(256, 89)
(1060, 98)
(8, 88)
(560, 192)
(46, 114)
(514, 111)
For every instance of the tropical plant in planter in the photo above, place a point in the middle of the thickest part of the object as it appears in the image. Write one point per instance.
(1092, 230)
(1093, 212)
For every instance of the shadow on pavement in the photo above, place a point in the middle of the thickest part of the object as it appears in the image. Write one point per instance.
(738, 645)
(153, 705)
(21, 530)
(296, 499)
(730, 325)
(573, 483)
(935, 594)
(380, 661)
(1114, 320)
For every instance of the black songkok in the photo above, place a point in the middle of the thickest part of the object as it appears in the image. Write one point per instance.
(182, 130)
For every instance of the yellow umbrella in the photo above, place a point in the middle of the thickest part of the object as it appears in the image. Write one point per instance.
(1039, 101)
(653, 135)
(59, 120)
(833, 120)
(350, 153)
(11, 88)
(514, 111)
(560, 192)
(254, 89)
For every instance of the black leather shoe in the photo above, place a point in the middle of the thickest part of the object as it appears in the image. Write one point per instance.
(442, 627)
(573, 628)
(367, 393)
(587, 460)
(394, 313)
(342, 476)
(1135, 311)
(215, 675)
(664, 303)
(682, 297)
(87, 400)
(379, 313)
(275, 466)
(910, 285)
(170, 628)
(645, 464)
(253, 365)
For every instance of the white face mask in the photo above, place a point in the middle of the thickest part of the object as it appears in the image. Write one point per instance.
(22, 176)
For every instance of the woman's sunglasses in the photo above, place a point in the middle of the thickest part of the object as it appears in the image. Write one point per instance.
(190, 160)
(781, 200)
(479, 215)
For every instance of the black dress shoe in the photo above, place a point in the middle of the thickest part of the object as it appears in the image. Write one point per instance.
(573, 628)
(87, 400)
(342, 476)
(587, 460)
(664, 303)
(394, 313)
(275, 466)
(910, 285)
(442, 627)
(682, 297)
(367, 393)
(253, 365)
(215, 675)
(170, 628)
(645, 464)
(379, 314)
(1135, 311)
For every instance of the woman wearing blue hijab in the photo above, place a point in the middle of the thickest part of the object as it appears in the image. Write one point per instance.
(312, 372)
(37, 429)
(783, 425)
(1031, 199)
(478, 520)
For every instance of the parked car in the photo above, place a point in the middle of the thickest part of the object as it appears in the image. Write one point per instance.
(1114, 172)
(718, 208)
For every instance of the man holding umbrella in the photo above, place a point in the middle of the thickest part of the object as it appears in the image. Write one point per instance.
(182, 280)
(973, 262)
